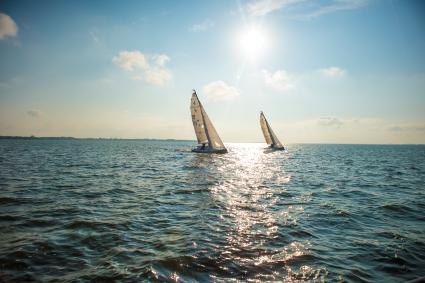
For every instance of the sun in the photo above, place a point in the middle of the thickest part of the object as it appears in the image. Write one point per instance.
(253, 42)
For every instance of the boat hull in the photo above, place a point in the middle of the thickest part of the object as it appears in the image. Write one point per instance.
(271, 148)
(209, 150)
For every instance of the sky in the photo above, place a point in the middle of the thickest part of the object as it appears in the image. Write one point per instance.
(334, 71)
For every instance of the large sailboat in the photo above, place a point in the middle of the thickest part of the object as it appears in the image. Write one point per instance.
(269, 135)
(208, 139)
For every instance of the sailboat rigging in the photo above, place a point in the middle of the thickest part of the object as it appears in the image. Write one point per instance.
(206, 134)
(269, 135)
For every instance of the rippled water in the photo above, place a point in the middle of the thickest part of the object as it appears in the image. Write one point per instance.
(133, 211)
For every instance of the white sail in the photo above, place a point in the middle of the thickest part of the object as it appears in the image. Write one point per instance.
(265, 129)
(276, 142)
(213, 138)
(269, 135)
(204, 129)
(198, 121)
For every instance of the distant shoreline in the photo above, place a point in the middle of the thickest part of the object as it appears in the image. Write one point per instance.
(74, 138)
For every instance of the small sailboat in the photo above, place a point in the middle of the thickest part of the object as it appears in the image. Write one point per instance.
(208, 139)
(269, 135)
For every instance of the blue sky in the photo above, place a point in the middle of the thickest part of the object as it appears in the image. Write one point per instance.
(347, 71)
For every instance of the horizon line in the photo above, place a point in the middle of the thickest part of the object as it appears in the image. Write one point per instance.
(32, 137)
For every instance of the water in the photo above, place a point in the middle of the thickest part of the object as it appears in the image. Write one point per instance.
(131, 211)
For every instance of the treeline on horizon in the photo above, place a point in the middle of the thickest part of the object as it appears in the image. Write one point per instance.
(73, 138)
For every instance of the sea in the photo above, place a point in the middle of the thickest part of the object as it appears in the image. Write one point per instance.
(88, 210)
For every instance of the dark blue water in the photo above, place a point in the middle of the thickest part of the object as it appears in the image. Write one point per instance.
(131, 211)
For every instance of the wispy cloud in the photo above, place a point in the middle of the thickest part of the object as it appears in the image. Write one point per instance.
(407, 128)
(219, 91)
(334, 6)
(304, 9)
(203, 26)
(8, 27)
(151, 68)
(34, 113)
(161, 59)
(333, 129)
(263, 7)
(330, 122)
(279, 80)
(131, 60)
(94, 35)
(158, 76)
(332, 72)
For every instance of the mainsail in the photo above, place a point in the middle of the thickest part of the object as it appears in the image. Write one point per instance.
(204, 129)
(269, 135)
(197, 119)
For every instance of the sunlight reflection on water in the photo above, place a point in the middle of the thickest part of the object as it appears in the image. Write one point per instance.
(249, 190)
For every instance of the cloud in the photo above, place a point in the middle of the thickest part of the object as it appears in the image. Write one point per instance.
(34, 113)
(161, 59)
(94, 35)
(332, 129)
(151, 68)
(335, 6)
(407, 128)
(279, 80)
(311, 9)
(263, 7)
(131, 60)
(219, 91)
(205, 25)
(330, 122)
(158, 76)
(333, 72)
(8, 27)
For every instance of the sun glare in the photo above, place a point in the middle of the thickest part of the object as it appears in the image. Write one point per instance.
(253, 42)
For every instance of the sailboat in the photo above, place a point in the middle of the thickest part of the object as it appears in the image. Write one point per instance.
(269, 135)
(208, 139)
